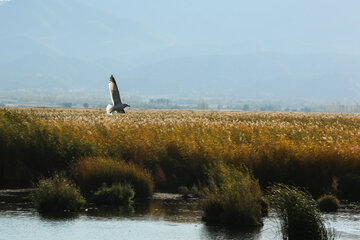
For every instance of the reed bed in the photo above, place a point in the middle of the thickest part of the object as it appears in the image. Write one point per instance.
(318, 151)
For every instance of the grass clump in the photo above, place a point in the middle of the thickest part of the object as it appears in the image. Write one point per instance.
(92, 173)
(115, 195)
(57, 194)
(298, 214)
(233, 199)
(328, 203)
(183, 190)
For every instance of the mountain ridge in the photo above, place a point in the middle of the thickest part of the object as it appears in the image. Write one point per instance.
(249, 75)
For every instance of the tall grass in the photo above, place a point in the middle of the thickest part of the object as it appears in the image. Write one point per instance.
(233, 199)
(177, 147)
(298, 213)
(57, 194)
(115, 195)
(91, 173)
(31, 148)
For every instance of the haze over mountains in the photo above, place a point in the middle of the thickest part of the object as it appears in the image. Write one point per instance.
(211, 49)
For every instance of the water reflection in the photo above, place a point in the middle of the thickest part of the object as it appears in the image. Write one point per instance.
(62, 216)
(111, 211)
(347, 221)
(154, 209)
(177, 210)
(171, 218)
(217, 233)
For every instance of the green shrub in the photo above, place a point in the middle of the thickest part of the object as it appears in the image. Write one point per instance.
(233, 199)
(195, 190)
(183, 190)
(115, 195)
(91, 173)
(329, 203)
(57, 194)
(298, 214)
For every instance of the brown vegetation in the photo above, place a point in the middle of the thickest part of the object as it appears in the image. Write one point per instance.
(91, 173)
(177, 147)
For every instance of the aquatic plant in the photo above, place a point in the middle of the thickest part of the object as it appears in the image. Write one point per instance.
(233, 199)
(328, 203)
(184, 190)
(177, 147)
(115, 195)
(298, 213)
(57, 194)
(92, 173)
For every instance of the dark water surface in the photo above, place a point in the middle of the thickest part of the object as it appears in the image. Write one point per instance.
(159, 218)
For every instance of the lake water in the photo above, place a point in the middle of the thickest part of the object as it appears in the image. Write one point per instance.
(159, 218)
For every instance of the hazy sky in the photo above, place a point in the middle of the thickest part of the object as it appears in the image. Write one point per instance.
(323, 24)
(276, 25)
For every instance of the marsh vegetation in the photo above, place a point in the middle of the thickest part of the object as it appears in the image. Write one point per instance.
(233, 198)
(329, 203)
(57, 194)
(298, 214)
(92, 173)
(320, 152)
(115, 195)
(191, 151)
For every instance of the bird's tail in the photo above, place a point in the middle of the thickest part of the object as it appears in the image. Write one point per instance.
(109, 109)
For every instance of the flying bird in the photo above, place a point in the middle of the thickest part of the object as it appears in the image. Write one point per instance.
(117, 106)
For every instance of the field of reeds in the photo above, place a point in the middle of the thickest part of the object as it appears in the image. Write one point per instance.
(320, 152)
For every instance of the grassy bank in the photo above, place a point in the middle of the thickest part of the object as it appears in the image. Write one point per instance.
(318, 151)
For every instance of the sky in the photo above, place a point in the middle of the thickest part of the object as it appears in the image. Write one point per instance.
(322, 25)
(258, 25)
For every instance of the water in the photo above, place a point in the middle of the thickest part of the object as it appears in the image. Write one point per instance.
(347, 221)
(160, 218)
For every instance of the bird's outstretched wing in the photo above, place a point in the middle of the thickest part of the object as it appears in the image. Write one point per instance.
(114, 91)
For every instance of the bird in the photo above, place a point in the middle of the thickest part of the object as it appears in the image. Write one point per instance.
(117, 106)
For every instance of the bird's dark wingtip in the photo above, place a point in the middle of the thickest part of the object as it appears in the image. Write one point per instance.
(112, 79)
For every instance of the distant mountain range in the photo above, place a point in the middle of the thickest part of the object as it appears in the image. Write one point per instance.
(316, 76)
(70, 28)
(275, 75)
(48, 44)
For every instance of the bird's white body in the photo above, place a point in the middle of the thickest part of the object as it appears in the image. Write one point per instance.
(117, 106)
